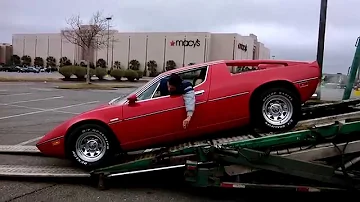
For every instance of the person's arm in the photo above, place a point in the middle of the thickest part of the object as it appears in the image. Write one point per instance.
(189, 99)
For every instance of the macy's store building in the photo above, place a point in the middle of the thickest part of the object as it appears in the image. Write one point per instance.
(182, 48)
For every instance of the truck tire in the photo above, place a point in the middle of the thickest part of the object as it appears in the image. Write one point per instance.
(276, 109)
(90, 146)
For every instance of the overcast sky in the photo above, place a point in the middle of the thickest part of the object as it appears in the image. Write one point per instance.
(288, 27)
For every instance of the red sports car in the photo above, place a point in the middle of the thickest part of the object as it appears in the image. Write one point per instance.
(265, 93)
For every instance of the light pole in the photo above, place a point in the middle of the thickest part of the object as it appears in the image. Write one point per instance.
(321, 40)
(108, 37)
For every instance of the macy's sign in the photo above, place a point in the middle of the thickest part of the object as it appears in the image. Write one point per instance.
(185, 43)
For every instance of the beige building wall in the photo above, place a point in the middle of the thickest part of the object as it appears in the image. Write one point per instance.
(263, 52)
(222, 47)
(41, 46)
(121, 49)
(174, 49)
(55, 46)
(156, 48)
(244, 48)
(182, 47)
(196, 54)
(101, 52)
(137, 48)
(18, 42)
(30, 46)
(68, 50)
(2, 55)
(5, 53)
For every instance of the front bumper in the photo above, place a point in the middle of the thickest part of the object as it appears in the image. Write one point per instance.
(54, 147)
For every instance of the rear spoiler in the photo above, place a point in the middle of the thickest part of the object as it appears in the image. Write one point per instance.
(264, 66)
(267, 63)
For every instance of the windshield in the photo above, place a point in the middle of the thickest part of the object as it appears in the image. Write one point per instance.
(122, 99)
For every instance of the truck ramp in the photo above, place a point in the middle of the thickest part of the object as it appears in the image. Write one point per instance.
(41, 171)
(19, 149)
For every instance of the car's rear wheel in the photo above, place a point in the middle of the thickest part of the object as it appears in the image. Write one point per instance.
(91, 146)
(276, 109)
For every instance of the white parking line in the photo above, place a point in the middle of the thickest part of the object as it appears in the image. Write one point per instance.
(50, 98)
(17, 94)
(20, 106)
(16, 84)
(42, 89)
(46, 110)
(29, 141)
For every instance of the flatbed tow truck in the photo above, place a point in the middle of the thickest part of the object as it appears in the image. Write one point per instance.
(322, 153)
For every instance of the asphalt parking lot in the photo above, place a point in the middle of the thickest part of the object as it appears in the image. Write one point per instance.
(32, 75)
(29, 110)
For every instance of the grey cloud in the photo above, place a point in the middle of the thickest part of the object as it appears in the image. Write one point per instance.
(295, 21)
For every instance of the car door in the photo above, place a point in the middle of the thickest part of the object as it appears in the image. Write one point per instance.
(199, 123)
(151, 121)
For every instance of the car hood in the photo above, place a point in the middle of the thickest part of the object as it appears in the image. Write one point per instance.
(103, 112)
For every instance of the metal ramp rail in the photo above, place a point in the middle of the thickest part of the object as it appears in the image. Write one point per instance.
(19, 149)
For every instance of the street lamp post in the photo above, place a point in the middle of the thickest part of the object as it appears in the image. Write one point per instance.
(108, 37)
(321, 39)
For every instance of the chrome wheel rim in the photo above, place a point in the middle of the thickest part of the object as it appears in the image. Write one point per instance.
(90, 146)
(277, 110)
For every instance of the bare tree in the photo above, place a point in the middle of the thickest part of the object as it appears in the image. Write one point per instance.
(90, 36)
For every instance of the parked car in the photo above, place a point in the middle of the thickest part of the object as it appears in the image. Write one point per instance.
(16, 69)
(30, 69)
(4, 69)
(269, 96)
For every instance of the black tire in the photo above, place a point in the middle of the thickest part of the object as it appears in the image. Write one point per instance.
(260, 121)
(98, 132)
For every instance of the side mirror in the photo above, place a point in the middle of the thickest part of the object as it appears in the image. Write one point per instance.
(132, 99)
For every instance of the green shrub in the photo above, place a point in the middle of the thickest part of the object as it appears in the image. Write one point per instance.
(80, 72)
(100, 73)
(140, 74)
(53, 69)
(66, 71)
(134, 65)
(117, 74)
(131, 75)
(92, 72)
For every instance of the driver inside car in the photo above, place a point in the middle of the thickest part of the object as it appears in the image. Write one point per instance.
(174, 85)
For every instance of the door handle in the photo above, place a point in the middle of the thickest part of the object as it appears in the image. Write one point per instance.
(200, 92)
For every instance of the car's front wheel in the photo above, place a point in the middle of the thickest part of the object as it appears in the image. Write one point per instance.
(277, 109)
(91, 146)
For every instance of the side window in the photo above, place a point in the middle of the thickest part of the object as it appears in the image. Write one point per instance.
(149, 92)
(196, 77)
